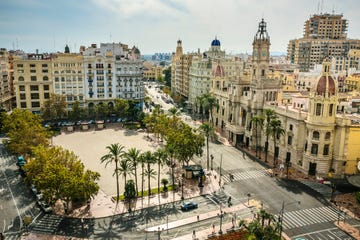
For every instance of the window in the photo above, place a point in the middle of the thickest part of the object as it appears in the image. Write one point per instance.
(314, 149)
(21, 79)
(23, 104)
(44, 65)
(22, 96)
(46, 87)
(34, 95)
(327, 136)
(32, 65)
(326, 150)
(46, 95)
(331, 109)
(289, 140)
(316, 135)
(20, 65)
(45, 78)
(35, 104)
(33, 78)
(22, 88)
(290, 127)
(262, 72)
(318, 109)
(34, 88)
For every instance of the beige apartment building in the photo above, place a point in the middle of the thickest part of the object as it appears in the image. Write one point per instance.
(325, 35)
(68, 77)
(32, 81)
(180, 66)
(7, 96)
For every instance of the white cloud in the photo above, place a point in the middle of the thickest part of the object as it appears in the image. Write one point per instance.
(136, 8)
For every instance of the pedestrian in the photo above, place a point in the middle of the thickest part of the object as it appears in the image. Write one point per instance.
(198, 218)
(213, 228)
(194, 235)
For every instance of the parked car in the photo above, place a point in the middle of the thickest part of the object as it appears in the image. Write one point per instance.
(188, 206)
(20, 161)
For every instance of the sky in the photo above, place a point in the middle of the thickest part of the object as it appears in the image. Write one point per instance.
(156, 25)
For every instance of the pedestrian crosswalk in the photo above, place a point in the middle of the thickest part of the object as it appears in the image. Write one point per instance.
(12, 235)
(47, 224)
(243, 175)
(309, 216)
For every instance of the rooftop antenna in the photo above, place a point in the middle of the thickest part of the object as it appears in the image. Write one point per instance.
(333, 9)
(54, 44)
(318, 7)
(322, 5)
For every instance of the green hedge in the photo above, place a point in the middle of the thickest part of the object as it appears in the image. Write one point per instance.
(146, 193)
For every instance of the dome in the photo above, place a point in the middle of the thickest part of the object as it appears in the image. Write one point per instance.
(323, 83)
(215, 42)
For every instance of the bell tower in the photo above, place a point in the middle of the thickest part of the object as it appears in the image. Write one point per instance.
(320, 125)
(261, 53)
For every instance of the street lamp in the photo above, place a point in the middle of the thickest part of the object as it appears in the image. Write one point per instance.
(182, 186)
(248, 196)
(281, 214)
(221, 215)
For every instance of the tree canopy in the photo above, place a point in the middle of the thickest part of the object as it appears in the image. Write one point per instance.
(59, 174)
(54, 108)
(23, 130)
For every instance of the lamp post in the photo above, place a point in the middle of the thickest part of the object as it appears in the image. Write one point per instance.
(281, 214)
(182, 186)
(212, 160)
(221, 215)
(248, 196)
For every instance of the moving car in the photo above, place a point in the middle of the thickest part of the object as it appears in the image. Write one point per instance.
(188, 206)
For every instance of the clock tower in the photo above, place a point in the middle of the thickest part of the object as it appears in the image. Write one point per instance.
(261, 53)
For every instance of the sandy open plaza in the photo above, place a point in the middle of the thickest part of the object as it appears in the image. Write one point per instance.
(90, 146)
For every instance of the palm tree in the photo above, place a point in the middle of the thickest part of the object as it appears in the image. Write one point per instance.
(149, 172)
(160, 156)
(275, 130)
(173, 112)
(125, 168)
(209, 103)
(258, 121)
(133, 156)
(115, 154)
(142, 162)
(269, 114)
(208, 130)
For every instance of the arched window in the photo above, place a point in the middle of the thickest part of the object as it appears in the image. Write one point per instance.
(45, 78)
(316, 135)
(318, 109)
(327, 136)
(21, 79)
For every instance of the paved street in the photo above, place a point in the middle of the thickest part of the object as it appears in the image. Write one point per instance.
(16, 200)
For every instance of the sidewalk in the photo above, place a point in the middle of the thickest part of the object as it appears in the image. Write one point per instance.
(203, 216)
(103, 205)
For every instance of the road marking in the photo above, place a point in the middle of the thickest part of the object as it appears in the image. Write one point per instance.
(4, 226)
(12, 195)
